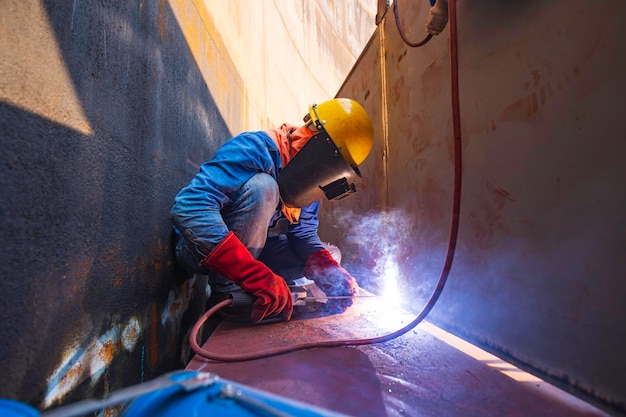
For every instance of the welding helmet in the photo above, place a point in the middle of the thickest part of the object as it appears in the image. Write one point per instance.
(327, 165)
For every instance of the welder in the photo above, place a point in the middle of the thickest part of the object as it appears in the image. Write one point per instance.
(249, 217)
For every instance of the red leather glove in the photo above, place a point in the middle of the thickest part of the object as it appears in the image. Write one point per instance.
(330, 277)
(233, 260)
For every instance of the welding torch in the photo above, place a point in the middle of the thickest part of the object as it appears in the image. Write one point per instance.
(300, 297)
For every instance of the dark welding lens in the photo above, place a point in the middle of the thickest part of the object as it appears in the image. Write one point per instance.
(338, 189)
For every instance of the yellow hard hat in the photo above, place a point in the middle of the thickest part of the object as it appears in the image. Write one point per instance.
(348, 125)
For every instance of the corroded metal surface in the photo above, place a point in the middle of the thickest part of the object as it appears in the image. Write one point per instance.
(538, 267)
(104, 116)
(416, 374)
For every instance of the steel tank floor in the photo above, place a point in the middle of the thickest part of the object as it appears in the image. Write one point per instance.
(424, 372)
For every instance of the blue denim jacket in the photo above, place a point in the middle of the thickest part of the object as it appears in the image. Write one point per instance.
(198, 206)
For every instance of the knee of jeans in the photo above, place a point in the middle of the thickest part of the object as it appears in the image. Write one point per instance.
(264, 189)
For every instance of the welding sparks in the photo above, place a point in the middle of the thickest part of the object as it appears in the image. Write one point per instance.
(387, 304)
(390, 291)
(379, 239)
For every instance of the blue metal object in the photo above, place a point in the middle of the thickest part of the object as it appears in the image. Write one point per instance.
(10, 408)
(221, 397)
(184, 393)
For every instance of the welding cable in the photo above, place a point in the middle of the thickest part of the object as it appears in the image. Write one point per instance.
(401, 31)
(454, 228)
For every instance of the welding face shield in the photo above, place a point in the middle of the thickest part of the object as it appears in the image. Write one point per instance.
(327, 165)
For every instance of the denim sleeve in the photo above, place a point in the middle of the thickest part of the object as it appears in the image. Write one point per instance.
(303, 237)
(197, 207)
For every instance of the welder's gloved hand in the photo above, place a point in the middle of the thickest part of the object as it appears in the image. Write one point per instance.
(233, 260)
(331, 278)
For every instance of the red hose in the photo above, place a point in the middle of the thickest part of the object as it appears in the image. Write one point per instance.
(445, 272)
(401, 31)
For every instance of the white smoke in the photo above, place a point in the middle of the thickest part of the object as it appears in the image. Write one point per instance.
(375, 243)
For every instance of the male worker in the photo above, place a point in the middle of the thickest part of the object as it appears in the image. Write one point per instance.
(248, 219)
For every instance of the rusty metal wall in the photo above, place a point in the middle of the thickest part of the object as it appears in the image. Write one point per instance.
(104, 116)
(538, 275)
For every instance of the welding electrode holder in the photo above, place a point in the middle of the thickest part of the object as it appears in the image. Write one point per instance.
(240, 307)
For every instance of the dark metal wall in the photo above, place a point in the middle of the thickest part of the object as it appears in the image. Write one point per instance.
(538, 275)
(91, 299)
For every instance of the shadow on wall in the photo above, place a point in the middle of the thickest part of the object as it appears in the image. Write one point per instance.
(93, 298)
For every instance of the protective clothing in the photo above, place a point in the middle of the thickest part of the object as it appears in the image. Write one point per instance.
(229, 220)
(327, 164)
(233, 260)
(290, 139)
(330, 277)
(200, 208)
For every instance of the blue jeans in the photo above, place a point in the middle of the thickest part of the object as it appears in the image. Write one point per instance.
(249, 217)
